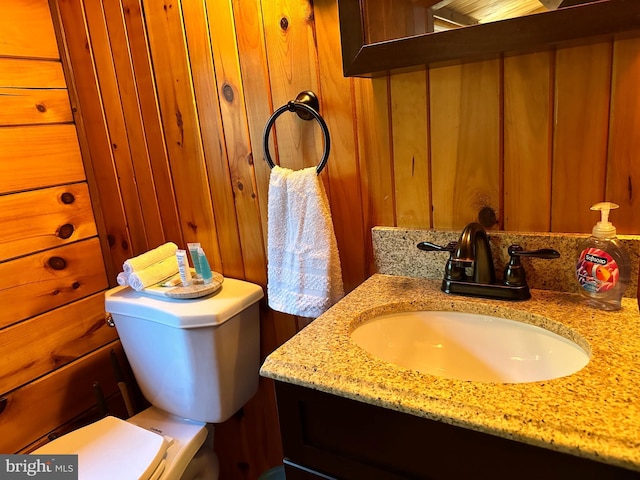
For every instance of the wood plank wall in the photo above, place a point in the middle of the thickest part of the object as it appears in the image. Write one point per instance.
(172, 97)
(54, 343)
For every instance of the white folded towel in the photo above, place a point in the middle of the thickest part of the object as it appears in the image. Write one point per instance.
(155, 273)
(149, 258)
(304, 276)
(122, 279)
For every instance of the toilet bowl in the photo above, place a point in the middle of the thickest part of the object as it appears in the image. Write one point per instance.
(196, 361)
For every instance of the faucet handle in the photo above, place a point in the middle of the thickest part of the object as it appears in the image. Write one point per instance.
(514, 275)
(452, 270)
(518, 251)
(432, 247)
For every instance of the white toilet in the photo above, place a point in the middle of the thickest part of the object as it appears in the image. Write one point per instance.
(196, 361)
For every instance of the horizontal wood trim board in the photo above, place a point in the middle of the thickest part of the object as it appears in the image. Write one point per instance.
(39, 156)
(43, 281)
(63, 215)
(22, 106)
(27, 30)
(59, 396)
(115, 406)
(49, 341)
(28, 73)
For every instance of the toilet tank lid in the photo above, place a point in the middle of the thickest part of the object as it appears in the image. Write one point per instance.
(231, 299)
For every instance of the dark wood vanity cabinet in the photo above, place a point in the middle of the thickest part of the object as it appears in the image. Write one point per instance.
(326, 436)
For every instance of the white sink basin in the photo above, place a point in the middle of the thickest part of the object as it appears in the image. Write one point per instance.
(468, 346)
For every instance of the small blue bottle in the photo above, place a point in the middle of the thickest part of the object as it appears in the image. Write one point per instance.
(205, 269)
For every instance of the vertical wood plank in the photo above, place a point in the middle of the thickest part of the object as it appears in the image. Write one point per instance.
(291, 53)
(623, 168)
(343, 169)
(133, 126)
(151, 120)
(410, 160)
(111, 266)
(215, 152)
(257, 91)
(583, 86)
(465, 142)
(236, 135)
(87, 101)
(376, 163)
(182, 129)
(114, 116)
(528, 124)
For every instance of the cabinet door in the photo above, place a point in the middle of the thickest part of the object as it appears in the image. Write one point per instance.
(330, 436)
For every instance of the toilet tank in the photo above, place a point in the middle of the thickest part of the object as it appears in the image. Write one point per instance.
(195, 358)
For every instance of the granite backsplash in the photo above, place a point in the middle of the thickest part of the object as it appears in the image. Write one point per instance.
(395, 253)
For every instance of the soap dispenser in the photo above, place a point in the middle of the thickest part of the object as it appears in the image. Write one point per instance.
(603, 267)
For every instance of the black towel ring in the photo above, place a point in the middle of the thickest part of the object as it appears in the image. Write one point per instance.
(306, 106)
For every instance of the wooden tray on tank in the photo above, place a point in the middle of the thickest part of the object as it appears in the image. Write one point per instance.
(192, 291)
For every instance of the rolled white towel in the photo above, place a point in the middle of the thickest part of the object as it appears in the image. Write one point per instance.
(149, 258)
(122, 279)
(153, 274)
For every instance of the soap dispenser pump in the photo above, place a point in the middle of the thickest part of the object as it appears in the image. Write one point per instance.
(603, 267)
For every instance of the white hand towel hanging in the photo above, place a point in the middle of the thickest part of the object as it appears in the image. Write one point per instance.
(304, 273)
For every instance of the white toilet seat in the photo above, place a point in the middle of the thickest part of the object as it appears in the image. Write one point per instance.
(151, 445)
(113, 448)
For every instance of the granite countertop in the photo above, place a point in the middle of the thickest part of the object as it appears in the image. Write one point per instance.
(594, 413)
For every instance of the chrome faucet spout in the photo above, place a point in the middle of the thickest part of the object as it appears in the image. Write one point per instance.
(473, 250)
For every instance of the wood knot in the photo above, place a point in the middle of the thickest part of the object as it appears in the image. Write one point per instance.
(65, 231)
(41, 108)
(57, 263)
(227, 92)
(284, 23)
(487, 217)
(67, 198)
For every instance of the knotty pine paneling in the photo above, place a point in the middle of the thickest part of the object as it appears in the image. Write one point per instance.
(19, 106)
(41, 406)
(214, 147)
(39, 156)
(27, 30)
(63, 215)
(98, 155)
(150, 119)
(528, 136)
(43, 281)
(408, 97)
(623, 167)
(343, 176)
(428, 148)
(29, 73)
(581, 135)
(465, 142)
(53, 338)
